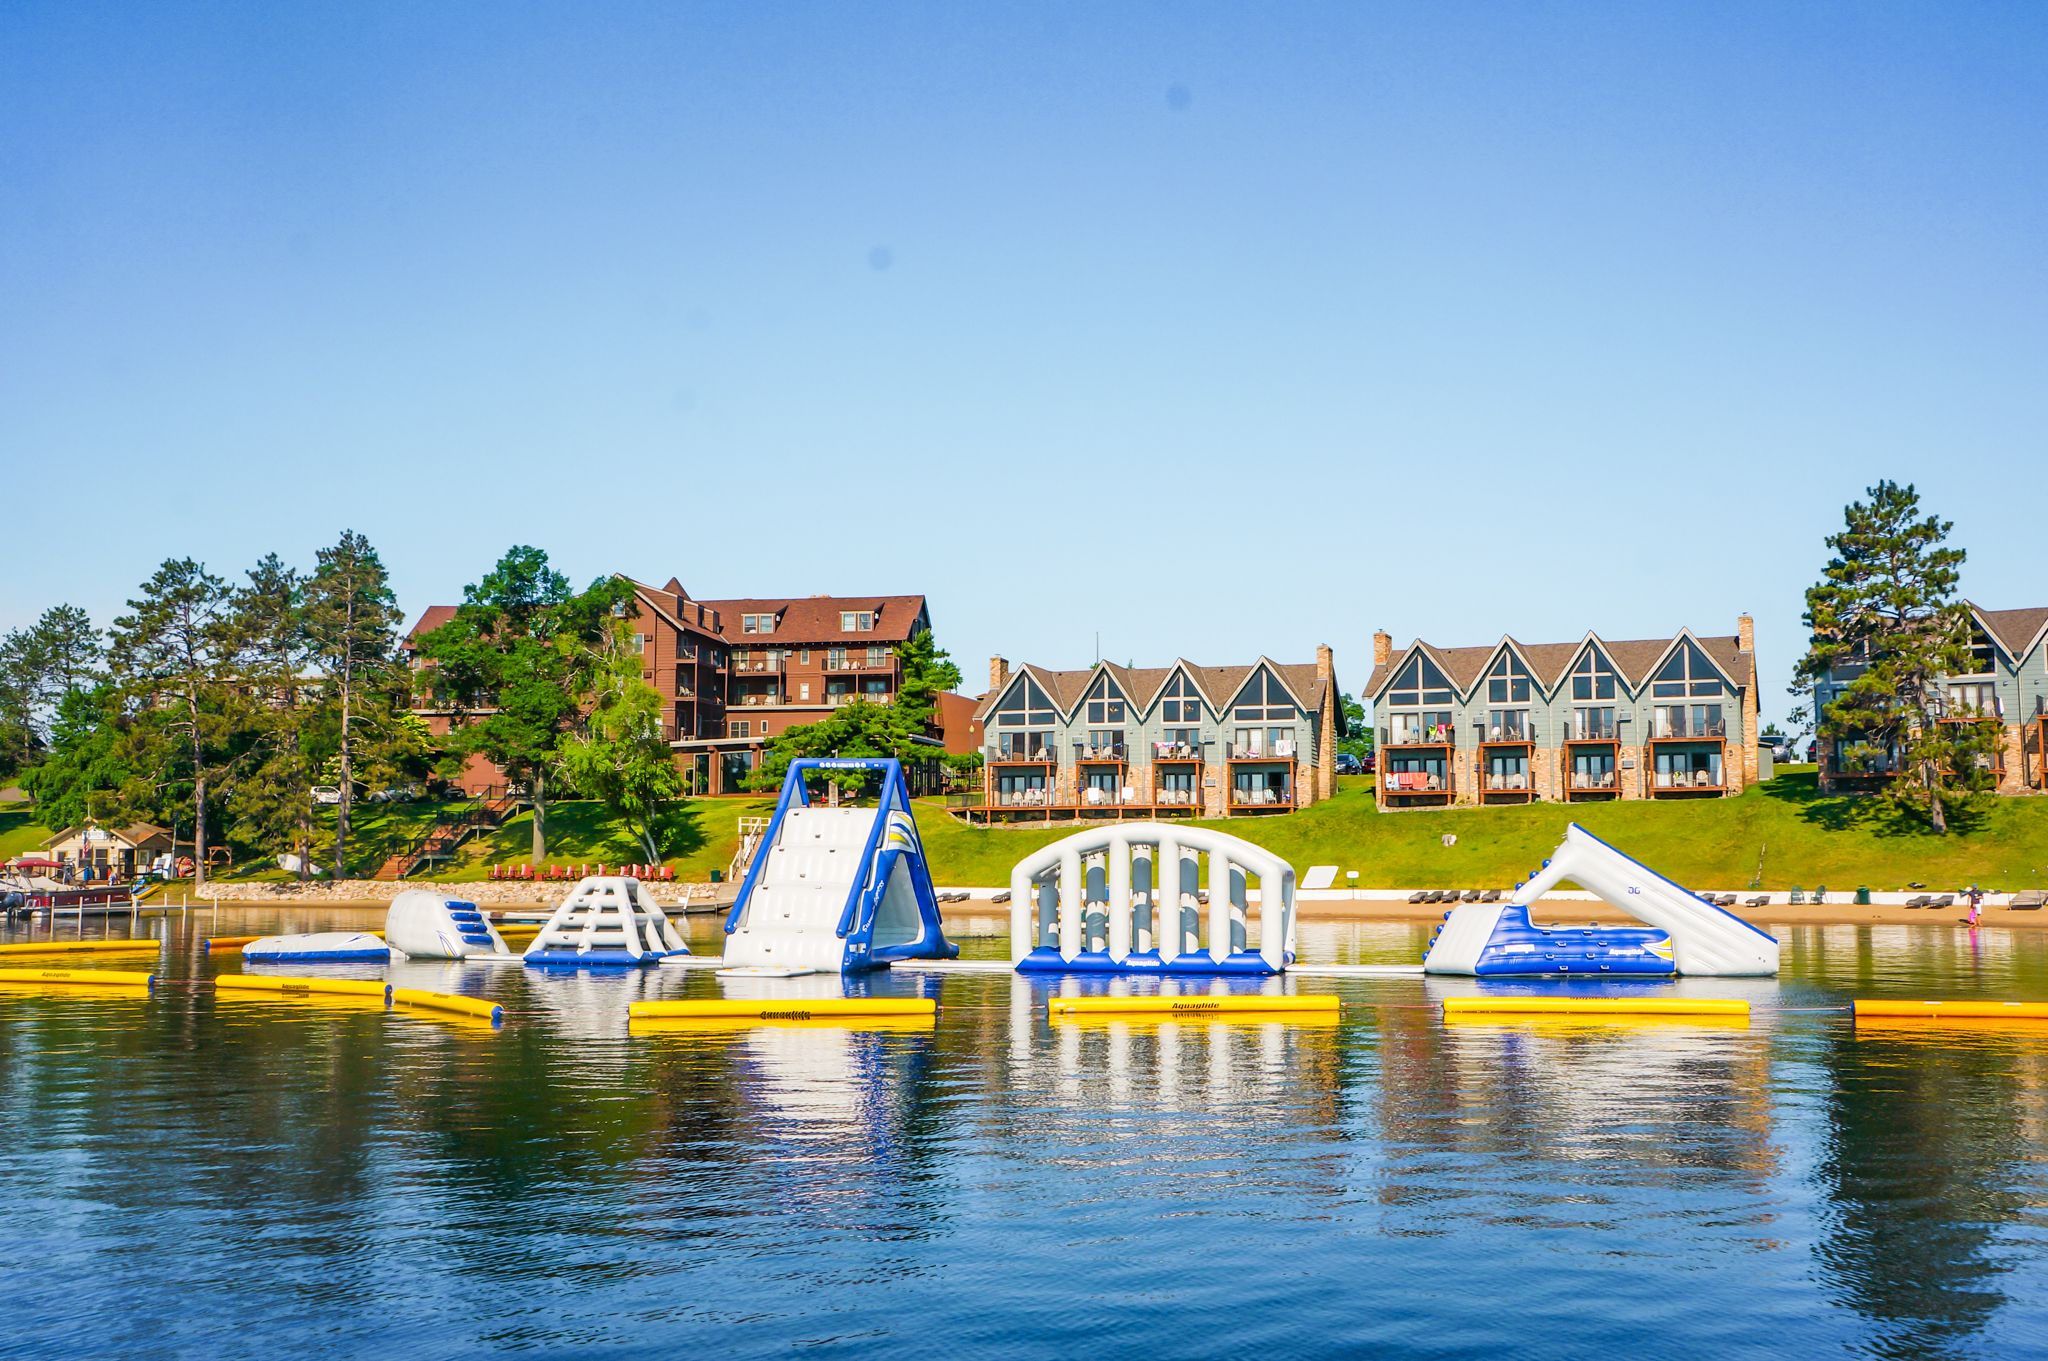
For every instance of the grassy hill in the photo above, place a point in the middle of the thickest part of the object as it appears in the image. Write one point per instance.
(1802, 838)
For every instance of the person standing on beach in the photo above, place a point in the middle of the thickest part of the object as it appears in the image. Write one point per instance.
(1976, 896)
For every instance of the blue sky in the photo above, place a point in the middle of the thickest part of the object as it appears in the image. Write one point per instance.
(1220, 330)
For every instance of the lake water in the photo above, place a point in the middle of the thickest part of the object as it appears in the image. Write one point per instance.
(193, 1175)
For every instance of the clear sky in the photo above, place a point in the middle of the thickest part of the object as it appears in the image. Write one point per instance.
(1220, 330)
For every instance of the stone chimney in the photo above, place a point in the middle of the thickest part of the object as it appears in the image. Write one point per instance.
(1382, 648)
(998, 672)
(1325, 663)
(1745, 633)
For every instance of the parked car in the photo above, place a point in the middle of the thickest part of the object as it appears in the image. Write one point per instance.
(1347, 764)
(1812, 752)
(1370, 762)
(326, 793)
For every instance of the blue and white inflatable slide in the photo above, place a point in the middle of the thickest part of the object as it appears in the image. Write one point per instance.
(1683, 932)
(840, 889)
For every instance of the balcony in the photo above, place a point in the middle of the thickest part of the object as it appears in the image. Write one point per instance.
(749, 701)
(1282, 751)
(1102, 756)
(1677, 729)
(845, 697)
(756, 666)
(1416, 789)
(1436, 735)
(1592, 732)
(1175, 751)
(1592, 782)
(1273, 799)
(859, 664)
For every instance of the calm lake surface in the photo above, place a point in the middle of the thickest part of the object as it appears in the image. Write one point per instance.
(189, 1174)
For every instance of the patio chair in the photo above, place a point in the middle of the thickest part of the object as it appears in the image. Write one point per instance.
(1920, 901)
(1419, 896)
(1471, 895)
(1761, 900)
(2028, 900)
(1491, 895)
(1945, 900)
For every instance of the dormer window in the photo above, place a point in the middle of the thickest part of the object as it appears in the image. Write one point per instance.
(1183, 704)
(757, 623)
(1419, 683)
(856, 621)
(1259, 693)
(1105, 702)
(1593, 677)
(1508, 681)
(1686, 671)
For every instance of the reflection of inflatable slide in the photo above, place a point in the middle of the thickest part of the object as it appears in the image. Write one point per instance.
(840, 889)
(1094, 902)
(1689, 935)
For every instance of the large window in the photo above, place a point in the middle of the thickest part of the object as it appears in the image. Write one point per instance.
(1593, 725)
(1415, 774)
(1973, 699)
(1260, 787)
(1507, 725)
(1688, 769)
(1686, 720)
(1426, 726)
(1507, 682)
(1593, 770)
(1263, 697)
(856, 621)
(1419, 683)
(1686, 672)
(1021, 788)
(1105, 701)
(1024, 746)
(1105, 744)
(1593, 676)
(1181, 703)
(1174, 786)
(1025, 705)
(1509, 773)
(1179, 744)
(757, 623)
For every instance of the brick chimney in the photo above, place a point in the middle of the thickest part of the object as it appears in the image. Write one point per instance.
(998, 672)
(1325, 663)
(1382, 648)
(1745, 633)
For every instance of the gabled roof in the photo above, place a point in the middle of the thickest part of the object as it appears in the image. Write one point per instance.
(1634, 660)
(135, 834)
(815, 619)
(1141, 685)
(651, 597)
(2017, 631)
(430, 619)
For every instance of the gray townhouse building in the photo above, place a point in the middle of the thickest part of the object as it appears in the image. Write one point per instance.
(1152, 742)
(1592, 720)
(2009, 683)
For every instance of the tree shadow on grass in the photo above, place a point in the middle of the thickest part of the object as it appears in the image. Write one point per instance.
(1869, 814)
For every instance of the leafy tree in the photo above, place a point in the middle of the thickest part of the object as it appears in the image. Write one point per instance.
(178, 655)
(1887, 629)
(90, 771)
(1359, 743)
(351, 618)
(621, 756)
(513, 664)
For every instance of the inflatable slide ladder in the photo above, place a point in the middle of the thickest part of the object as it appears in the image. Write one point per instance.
(609, 921)
(1684, 933)
(838, 889)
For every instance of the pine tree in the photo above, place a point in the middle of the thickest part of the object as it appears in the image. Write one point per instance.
(178, 656)
(1885, 615)
(272, 800)
(352, 619)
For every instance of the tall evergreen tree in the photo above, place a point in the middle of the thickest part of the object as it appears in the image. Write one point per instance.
(91, 769)
(1885, 614)
(272, 800)
(352, 620)
(178, 654)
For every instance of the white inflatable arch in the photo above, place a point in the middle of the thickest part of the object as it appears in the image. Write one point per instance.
(1125, 897)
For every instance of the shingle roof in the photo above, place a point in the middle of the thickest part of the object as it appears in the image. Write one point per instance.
(1548, 662)
(1141, 685)
(2016, 630)
(432, 618)
(815, 619)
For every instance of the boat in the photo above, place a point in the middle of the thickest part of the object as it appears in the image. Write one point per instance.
(25, 891)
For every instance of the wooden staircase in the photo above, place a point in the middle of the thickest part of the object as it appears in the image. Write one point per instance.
(485, 812)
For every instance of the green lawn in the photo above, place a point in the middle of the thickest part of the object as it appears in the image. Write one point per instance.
(1811, 840)
(1714, 843)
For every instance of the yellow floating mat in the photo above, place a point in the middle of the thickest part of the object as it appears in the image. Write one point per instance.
(787, 1008)
(95, 978)
(1530, 1021)
(1149, 1022)
(228, 945)
(740, 1025)
(249, 982)
(1061, 1007)
(85, 947)
(1595, 1006)
(448, 1001)
(1942, 1010)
